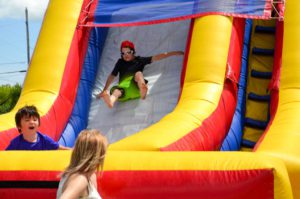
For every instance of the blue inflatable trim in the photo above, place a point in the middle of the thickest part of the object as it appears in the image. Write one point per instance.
(233, 139)
(79, 117)
(260, 98)
(262, 51)
(256, 123)
(248, 143)
(259, 74)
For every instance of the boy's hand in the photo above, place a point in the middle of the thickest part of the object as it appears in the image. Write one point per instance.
(101, 94)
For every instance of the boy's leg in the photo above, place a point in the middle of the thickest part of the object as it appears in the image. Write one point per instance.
(111, 99)
(139, 78)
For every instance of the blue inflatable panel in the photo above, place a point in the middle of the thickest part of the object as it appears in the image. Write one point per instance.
(256, 123)
(131, 12)
(259, 74)
(79, 117)
(262, 51)
(233, 140)
(265, 29)
(260, 98)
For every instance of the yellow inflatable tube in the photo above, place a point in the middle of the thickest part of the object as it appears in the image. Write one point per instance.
(282, 139)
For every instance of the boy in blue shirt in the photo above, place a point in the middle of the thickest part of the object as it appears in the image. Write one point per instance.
(27, 121)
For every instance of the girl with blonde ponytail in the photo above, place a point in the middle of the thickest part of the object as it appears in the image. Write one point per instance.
(79, 180)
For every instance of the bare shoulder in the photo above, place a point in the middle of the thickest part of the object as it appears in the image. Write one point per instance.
(75, 186)
(77, 180)
(80, 177)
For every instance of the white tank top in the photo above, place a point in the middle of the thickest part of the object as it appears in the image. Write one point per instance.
(93, 193)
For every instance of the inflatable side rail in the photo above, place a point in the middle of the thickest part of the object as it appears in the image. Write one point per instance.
(141, 174)
(281, 140)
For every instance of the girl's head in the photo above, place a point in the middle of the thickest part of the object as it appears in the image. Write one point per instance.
(27, 119)
(88, 153)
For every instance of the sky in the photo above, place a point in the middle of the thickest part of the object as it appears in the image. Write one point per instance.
(13, 45)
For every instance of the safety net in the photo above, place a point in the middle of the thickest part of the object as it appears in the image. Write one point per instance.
(107, 13)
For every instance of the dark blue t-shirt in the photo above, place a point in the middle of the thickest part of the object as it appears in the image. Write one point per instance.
(43, 142)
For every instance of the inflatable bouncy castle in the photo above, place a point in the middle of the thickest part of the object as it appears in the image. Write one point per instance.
(220, 122)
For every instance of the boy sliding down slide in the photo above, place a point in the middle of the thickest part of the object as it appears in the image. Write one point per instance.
(131, 79)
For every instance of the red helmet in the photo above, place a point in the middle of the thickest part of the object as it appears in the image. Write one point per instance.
(127, 44)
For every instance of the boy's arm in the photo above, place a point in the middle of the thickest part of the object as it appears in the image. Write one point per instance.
(61, 147)
(165, 55)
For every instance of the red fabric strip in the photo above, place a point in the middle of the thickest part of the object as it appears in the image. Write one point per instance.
(29, 175)
(246, 184)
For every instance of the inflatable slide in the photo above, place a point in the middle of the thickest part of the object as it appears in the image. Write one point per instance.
(168, 145)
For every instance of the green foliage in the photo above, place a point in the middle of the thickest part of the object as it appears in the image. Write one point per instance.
(9, 96)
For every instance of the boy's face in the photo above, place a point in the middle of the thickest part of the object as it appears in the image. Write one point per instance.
(29, 124)
(127, 54)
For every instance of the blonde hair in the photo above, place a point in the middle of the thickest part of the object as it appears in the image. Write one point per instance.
(88, 153)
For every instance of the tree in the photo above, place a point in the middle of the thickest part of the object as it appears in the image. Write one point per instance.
(9, 96)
